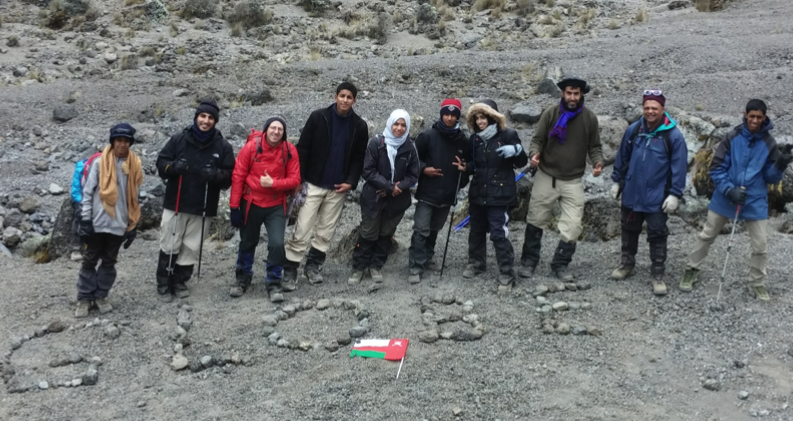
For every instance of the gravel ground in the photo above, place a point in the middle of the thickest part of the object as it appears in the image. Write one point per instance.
(645, 358)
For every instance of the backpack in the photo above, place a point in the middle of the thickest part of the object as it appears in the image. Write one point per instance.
(667, 146)
(258, 135)
(80, 175)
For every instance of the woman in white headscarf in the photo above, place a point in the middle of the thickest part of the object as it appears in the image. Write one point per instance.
(390, 168)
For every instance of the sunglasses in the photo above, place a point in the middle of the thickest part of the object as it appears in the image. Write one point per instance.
(654, 92)
(123, 131)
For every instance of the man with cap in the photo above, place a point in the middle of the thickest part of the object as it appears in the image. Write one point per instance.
(443, 150)
(110, 215)
(332, 146)
(195, 165)
(563, 138)
(650, 174)
(744, 164)
(266, 172)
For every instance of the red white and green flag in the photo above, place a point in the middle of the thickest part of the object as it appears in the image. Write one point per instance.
(385, 349)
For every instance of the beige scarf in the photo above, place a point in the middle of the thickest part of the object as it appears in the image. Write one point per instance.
(108, 191)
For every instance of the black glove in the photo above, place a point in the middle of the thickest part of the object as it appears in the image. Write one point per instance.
(785, 157)
(130, 236)
(178, 167)
(235, 217)
(209, 174)
(737, 195)
(86, 229)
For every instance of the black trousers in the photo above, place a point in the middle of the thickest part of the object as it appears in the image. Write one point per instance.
(274, 221)
(657, 234)
(427, 221)
(492, 220)
(92, 282)
(374, 240)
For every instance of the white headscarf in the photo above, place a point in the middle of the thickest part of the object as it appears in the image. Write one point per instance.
(393, 143)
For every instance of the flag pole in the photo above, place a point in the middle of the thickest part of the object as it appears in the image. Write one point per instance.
(400, 366)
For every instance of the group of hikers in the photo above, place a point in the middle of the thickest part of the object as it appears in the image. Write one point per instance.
(271, 175)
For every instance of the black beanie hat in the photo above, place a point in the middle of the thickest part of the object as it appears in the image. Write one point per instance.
(275, 118)
(122, 130)
(210, 107)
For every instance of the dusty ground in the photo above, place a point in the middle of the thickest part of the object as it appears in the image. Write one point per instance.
(650, 363)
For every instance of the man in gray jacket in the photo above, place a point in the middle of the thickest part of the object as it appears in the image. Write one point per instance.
(110, 212)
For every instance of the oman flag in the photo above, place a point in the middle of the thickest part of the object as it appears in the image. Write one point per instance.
(386, 349)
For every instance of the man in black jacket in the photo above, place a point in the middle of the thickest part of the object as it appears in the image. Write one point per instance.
(442, 150)
(331, 150)
(196, 164)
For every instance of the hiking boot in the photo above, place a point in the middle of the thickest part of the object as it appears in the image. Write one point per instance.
(289, 283)
(689, 278)
(275, 292)
(376, 275)
(82, 309)
(104, 305)
(563, 274)
(659, 287)
(622, 272)
(526, 271)
(165, 297)
(760, 292)
(471, 271)
(506, 279)
(414, 279)
(355, 277)
(236, 291)
(313, 275)
(181, 291)
(431, 265)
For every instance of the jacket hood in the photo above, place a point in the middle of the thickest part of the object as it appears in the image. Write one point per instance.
(475, 109)
(667, 124)
(201, 145)
(766, 127)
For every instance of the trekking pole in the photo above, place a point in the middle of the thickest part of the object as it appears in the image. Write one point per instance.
(464, 222)
(175, 223)
(203, 218)
(451, 221)
(727, 257)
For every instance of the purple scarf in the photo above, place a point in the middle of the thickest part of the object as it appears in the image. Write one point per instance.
(559, 131)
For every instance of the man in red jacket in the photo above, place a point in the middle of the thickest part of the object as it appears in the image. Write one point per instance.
(266, 172)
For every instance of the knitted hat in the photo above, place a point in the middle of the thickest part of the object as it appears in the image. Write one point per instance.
(270, 121)
(656, 96)
(451, 106)
(210, 107)
(123, 130)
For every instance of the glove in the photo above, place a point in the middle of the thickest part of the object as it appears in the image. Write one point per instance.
(670, 204)
(86, 229)
(508, 151)
(235, 217)
(210, 174)
(737, 195)
(178, 167)
(785, 157)
(615, 191)
(129, 237)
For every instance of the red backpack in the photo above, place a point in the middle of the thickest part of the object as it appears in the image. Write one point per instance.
(258, 135)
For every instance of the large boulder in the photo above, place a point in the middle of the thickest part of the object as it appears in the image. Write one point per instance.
(526, 112)
(696, 131)
(33, 245)
(150, 213)
(12, 236)
(548, 86)
(611, 131)
(601, 219)
(343, 251)
(62, 240)
(65, 112)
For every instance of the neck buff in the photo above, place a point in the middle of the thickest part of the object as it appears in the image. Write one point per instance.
(488, 132)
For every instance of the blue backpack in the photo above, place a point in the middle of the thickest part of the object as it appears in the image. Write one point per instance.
(80, 175)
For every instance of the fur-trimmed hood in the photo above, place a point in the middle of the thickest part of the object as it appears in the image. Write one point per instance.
(475, 109)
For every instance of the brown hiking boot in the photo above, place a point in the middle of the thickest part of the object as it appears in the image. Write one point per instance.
(104, 305)
(82, 309)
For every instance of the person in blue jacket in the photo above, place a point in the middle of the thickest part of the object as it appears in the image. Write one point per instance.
(744, 163)
(650, 174)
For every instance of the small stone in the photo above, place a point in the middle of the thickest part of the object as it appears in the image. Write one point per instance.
(548, 328)
(59, 362)
(16, 343)
(91, 376)
(273, 338)
(540, 289)
(344, 340)
(178, 348)
(270, 320)
(55, 189)
(29, 205)
(77, 382)
(332, 346)
(111, 331)
(57, 325)
(64, 113)
(307, 305)
(184, 319)
(468, 334)
(179, 362)
(583, 286)
(559, 287)
(541, 300)
(357, 331)
(206, 361)
(141, 404)
(570, 286)
(457, 412)
(712, 384)
(281, 315)
(579, 330)
(181, 93)
(282, 343)
(267, 331)
(575, 305)
(546, 309)
(323, 304)
(428, 336)
(586, 306)
(289, 310)
(471, 318)
(110, 58)
(304, 345)
(447, 335)
(75, 358)
(742, 395)
(44, 385)
(560, 306)
(195, 366)
(563, 329)
(593, 331)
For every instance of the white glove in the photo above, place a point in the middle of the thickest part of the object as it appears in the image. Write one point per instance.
(615, 190)
(670, 204)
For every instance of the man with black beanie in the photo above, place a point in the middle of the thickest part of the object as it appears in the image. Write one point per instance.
(195, 165)
(443, 150)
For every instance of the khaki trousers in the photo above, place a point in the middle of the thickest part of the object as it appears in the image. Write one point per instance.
(187, 239)
(569, 193)
(319, 214)
(758, 234)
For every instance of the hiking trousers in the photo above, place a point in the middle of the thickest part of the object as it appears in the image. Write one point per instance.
(274, 220)
(427, 221)
(374, 240)
(492, 220)
(545, 193)
(94, 283)
(187, 240)
(318, 215)
(657, 234)
(758, 235)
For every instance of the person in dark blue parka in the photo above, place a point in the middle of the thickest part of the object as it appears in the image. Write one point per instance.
(650, 174)
(745, 162)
